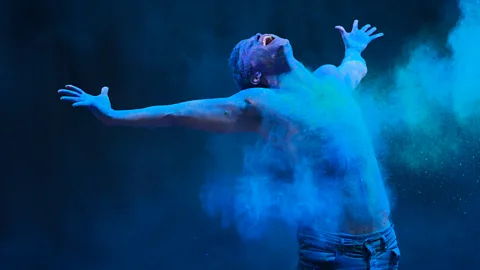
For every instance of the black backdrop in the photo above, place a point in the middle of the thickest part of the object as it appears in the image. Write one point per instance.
(78, 195)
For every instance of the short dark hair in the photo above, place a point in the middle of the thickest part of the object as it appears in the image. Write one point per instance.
(239, 66)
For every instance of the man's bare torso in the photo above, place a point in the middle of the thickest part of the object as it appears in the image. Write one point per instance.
(324, 133)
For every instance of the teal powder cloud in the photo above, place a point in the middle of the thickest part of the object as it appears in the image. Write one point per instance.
(432, 103)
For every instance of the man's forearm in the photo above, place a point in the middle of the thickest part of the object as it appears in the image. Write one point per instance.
(355, 56)
(353, 67)
(155, 116)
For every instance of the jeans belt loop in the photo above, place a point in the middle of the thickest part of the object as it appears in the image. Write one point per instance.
(341, 248)
(367, 245)
(385, 245)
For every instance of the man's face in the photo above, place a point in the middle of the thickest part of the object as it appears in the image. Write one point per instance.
(270, 54)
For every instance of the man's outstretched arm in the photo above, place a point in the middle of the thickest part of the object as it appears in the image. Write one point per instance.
(232, 114)
(353, 68)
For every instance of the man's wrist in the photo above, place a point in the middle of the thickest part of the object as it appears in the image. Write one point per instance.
(353, 51)
(106, 115)
(352, 54)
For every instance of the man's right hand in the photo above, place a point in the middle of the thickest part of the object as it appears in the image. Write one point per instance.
(100, 104)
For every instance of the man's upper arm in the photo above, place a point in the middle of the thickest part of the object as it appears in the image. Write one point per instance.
(237, 113)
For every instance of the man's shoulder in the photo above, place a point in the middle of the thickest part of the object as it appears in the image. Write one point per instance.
(328, 71)
(257, 97)
(256, 92)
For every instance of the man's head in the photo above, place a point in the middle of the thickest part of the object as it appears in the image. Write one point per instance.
(259, 60)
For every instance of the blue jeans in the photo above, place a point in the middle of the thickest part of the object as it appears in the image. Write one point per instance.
(323, 251)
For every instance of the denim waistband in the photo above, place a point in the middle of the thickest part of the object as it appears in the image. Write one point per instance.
(381, 240)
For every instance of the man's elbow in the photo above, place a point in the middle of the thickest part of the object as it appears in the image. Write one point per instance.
(354, 79)
(362, 72)
(353, 71)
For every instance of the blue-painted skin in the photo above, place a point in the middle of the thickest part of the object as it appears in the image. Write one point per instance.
(344, 217)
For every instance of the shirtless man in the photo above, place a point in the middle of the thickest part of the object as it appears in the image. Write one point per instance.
(315, 120)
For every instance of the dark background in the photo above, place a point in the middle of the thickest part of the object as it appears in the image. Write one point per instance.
(78, 195)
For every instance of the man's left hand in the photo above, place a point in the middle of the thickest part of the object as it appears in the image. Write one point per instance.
(358, 39)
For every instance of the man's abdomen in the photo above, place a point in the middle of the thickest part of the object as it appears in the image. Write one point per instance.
(366, 205)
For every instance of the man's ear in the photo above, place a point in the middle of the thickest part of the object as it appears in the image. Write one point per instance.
(255, 79)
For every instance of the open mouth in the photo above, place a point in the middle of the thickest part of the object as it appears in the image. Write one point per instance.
(267, 40)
